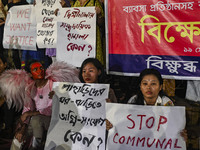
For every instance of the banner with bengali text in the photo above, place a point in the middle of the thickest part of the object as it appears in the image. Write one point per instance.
(77, 34)
(153, 34)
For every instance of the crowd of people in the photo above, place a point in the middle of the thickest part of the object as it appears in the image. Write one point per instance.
(28, 126)
(35, 118)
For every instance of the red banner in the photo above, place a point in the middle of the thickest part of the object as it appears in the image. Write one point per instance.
(169, 29)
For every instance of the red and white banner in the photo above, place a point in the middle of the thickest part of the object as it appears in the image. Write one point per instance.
(154, 34)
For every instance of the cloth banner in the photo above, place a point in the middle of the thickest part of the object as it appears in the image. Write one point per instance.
(154, 34)
(145, 127)
(78, 117)
(20, 28)
(46, 22)
(77, 34)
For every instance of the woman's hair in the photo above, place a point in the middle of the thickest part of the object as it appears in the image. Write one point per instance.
(151, 71)
(98, 65)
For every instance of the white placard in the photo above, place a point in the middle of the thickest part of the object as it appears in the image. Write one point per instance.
(145, 127)
(78, 117)
(20, 28)
(76, 39)
(46, 22)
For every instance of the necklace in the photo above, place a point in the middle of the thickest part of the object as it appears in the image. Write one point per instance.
(40, 94)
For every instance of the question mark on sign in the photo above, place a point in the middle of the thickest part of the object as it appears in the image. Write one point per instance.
(101, 141)
(90, 48)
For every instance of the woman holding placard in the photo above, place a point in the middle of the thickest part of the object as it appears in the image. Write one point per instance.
(151, 92)
(92, 71)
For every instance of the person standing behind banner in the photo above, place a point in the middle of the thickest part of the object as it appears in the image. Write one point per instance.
(92, 71)
(150, 90)
(151, 93)
(100, 22)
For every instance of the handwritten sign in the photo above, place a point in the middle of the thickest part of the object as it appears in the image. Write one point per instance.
(77, 34)
(46, 23)
(78, 117)
(20, 28)
(145, 127)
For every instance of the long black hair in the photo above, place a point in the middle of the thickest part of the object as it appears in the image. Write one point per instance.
(98, 65)
(151, 71)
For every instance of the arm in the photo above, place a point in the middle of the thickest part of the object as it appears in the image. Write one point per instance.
(28, 114)
(100, 13)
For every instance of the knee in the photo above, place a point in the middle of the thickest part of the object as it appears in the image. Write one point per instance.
(35, 121)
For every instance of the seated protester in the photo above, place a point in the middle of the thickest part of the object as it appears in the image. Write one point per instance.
(37, 114)
(92, 71)
(151, 92)
(35, 119)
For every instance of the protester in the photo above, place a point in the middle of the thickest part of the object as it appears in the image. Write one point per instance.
(92, 71)
(100, 22)
(151, 92)
(36, 115)
(39, 109)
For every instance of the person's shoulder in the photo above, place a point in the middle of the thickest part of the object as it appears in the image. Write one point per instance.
(132, 100)
(167, 101)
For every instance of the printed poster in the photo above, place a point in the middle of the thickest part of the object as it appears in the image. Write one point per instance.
(153, 34)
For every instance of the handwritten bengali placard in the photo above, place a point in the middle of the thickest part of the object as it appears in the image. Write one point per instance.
(77, 34)
(20, 28)
(145, 127)
(46, 22)
(167, 30)
(78, 117)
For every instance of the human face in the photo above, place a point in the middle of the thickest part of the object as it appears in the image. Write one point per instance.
(2, 66)
(37, 71)
(150, 87)
(90, 73)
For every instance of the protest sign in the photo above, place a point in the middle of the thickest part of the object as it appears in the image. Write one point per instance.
(46, 22)
(158, 34)
(77, 34)
(145, 127)
(20, 28)
(78, 117)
